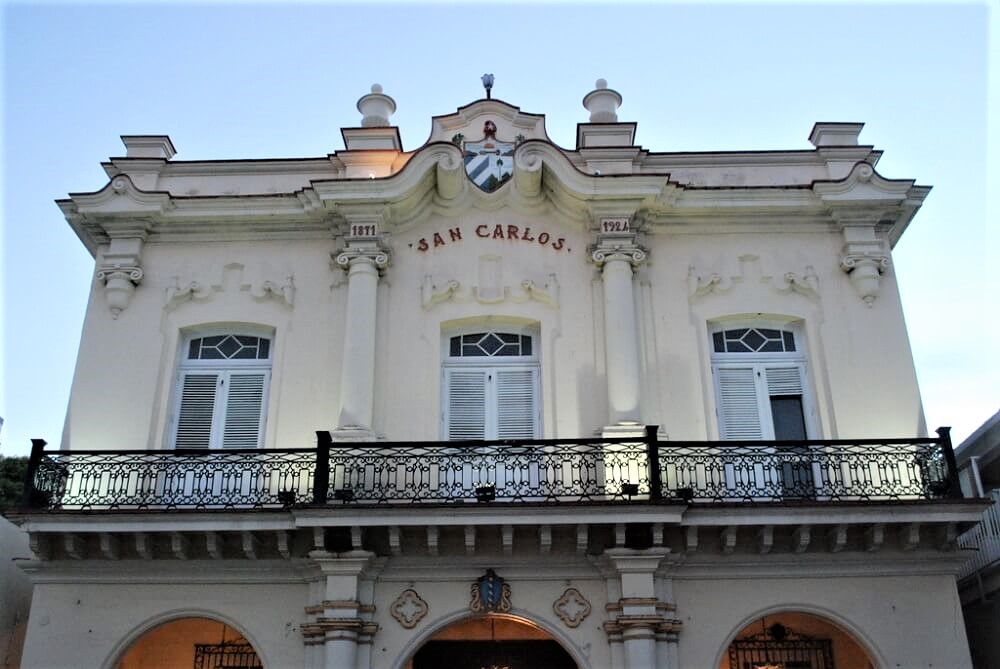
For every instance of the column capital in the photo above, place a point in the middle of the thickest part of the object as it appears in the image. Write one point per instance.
(371, 252)
(617, 246)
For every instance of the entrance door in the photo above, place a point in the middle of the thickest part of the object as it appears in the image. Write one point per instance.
(493, 655)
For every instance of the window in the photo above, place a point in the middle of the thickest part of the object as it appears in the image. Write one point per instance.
(490, 388)
(760, 384)
(221, 391)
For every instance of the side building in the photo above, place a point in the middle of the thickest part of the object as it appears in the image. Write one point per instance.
(493, 402)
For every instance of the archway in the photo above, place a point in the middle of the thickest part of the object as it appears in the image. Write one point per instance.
(794, 640)
(196, 642)
(492, 641)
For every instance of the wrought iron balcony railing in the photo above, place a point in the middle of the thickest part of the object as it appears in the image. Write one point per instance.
(542, 471)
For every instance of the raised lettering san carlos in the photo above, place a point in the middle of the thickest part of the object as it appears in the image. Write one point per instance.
(498, 231)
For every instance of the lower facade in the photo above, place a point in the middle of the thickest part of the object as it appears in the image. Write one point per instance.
(531, 605)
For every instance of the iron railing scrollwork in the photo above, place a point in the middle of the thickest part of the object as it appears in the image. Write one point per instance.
(517, 471)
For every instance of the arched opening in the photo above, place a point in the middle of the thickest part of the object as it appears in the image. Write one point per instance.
(199, 643)
(794, 640)
(492, 641)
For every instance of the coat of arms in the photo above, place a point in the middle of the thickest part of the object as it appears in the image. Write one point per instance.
(489, 163)
(490, 593)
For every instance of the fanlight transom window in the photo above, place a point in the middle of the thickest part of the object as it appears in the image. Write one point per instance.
(490, 345)
(754, 340)
(229, 347)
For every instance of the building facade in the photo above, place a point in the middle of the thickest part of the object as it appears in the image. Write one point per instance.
(496, 403)
(978, 459)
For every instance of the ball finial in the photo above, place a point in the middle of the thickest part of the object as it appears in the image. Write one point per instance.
(376, 88)
(601, 83)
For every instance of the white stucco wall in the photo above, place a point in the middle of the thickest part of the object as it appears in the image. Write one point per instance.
(860, 369)
(92, 624)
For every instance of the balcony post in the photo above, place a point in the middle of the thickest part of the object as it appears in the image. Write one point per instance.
(321, 479)
(653, 462)
(954, 486)
(37, 448)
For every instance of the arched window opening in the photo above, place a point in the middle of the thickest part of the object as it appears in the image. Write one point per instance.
(490, 387)
(793, 640)
(221, 390)
(200, 643)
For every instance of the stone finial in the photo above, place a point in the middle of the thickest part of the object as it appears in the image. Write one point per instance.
(376, 108)
(602, 103)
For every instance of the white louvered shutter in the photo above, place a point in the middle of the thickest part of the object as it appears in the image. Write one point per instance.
(465, 406)
(738, 403)
(244, 417)
(517, 403)
(784, 380)
(197, 409)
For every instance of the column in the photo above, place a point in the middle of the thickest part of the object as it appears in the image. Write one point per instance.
(336, 622)
(617, 254)
(638, 619)
(364, 257)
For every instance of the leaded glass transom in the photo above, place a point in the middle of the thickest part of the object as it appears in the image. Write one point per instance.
(754, 340)
(229, 347)
(490, 345)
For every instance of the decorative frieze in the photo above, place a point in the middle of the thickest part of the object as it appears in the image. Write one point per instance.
(433, 294)
(701, 283)
(179, 292)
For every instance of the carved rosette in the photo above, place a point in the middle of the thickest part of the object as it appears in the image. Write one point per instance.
(572, 607)
(409, 608)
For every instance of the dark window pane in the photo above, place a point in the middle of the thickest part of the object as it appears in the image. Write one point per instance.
(507, 338)
(720, 344)
(229, 346)
(525, 345)
(456, 347)
(193, 349)
(753, 340)
(772, 346)
(789, 340)
(735, 334)
(737, 347)
(247, 341)
(212, 341)
(264, 349)
(245, 353)
(769, 333)
(789, 421)
(469, 350)
(491, 344)
(210, 353)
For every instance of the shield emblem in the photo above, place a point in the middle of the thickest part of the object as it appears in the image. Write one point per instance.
(489, 163)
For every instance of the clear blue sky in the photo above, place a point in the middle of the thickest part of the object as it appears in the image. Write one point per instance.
(255, 80)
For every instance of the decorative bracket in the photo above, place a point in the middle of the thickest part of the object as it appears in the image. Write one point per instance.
(864, 264)
(120, 270)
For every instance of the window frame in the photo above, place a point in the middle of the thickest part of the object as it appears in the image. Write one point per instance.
(225, 369)
(492, 366)
(759, 363)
